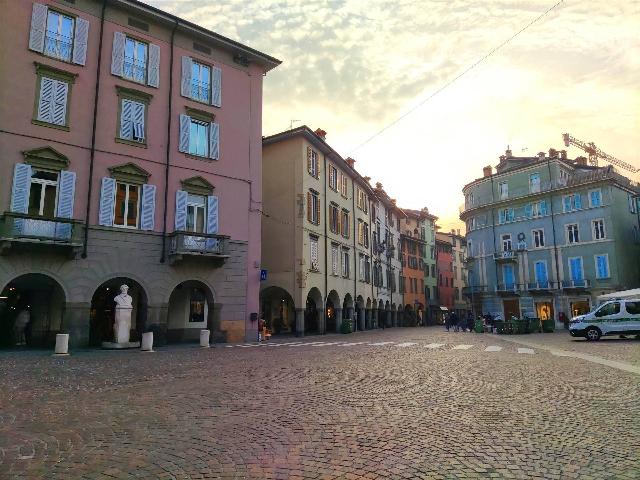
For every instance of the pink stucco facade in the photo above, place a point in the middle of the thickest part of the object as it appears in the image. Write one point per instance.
(235, 176)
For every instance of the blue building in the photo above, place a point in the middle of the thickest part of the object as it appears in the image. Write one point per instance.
(546, 235)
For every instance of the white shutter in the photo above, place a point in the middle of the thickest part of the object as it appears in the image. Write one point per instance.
(138, 120)
(147, 220)
(185, 86)
(181, 210)
(214, 141)
(107, 199)
(314, 252)
(153, 77)
(61, 90)
(20, 189)
(38, 27)
(334, 259)
(66, 196)
(45, 103)
(185, 130)
(80, 40)
(117, 53)
(212, 214)
(126, 120)
(216, 86)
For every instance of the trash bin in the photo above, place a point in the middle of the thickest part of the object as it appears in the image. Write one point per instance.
(548, 326)
(479, 326)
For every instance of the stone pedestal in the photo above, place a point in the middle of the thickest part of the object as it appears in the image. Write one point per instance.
(204, 338)
(62, 344)
(299, 322)
(147, 342)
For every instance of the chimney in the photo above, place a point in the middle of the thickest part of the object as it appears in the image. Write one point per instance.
(486, 171)
(502, 158)
(321, 133)
(581, 160)
(367, 179)
(541, 155)
(508, 153)
(393, 201)
(553, 153)
(563, 154)
(350, 161)
(378, 186)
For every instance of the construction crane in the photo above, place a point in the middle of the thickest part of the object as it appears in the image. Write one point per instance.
(595, 153)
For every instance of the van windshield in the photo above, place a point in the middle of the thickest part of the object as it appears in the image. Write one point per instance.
(608, 309)
(633, 308)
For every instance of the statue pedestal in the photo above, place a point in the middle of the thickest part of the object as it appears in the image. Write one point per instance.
(120, 346)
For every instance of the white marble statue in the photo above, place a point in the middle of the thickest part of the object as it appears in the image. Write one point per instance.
(122, 325)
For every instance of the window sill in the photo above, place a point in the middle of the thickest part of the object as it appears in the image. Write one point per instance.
(136, 82)
(202, 102)
(131, 142)
(64, 128)
(314, 270)
(201, 158)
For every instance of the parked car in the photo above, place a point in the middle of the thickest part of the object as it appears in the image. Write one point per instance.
(616, 317)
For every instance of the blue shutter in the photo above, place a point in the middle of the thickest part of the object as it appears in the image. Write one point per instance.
(148, 207)
(578, 200)
(508, 276)
(576, 269)
(66, 196)
(602, 266)
(212, 214)
(214, 141)
(510, 215)
(543, 207)
(216, 87)
(528, 210)
(107, 199)
(566, 204)
(502, 216)
(181, 210)
(185, 132)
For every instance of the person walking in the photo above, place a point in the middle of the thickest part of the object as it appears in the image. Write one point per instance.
(447, 321)
(455, 322)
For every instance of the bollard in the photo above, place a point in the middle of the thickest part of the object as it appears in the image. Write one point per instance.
(204, 338)
(62, 344)
(147, 342)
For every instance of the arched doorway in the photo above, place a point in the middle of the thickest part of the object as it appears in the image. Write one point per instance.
(313, 311)
(387, 314)
(409, 317)
(190, 310)
(367, 314)
(382, 316)
(31, 311)
(333, 304)
(102, 314)
(278, 311)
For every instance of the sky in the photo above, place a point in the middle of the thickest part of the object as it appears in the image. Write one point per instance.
(353, 68)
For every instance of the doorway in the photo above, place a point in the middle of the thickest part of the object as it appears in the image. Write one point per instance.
(511, 308)
(580, 307)
(544, 310)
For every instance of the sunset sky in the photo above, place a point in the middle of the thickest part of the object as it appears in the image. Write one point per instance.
(354, 67)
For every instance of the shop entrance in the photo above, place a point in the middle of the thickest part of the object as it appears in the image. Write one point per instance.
(544, 310)
(579, 307)
(511, 308)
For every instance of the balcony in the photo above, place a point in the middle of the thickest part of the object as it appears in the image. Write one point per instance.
(540, 287)
(505, 256)
(475, 290)
(186, 244)
(508, 288)
(22, 231)
(575, 284)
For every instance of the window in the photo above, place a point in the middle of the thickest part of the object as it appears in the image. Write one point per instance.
(506, 215)
(564, 177)
(333, 178)
(197, 305)
(196, 213)
(343, 184)
(602, 266)
(199, 138)
(361, 267)
(313, 247)
(58, 41)
(200, 82)
(607, 309)
(335, 259)
(538, 238)
(362, 200)
(43, 193)
(433, 271)
(541, 273)
(53, 101)
(576, 270)
(313, 207)
(127, 205)
(595, 198)
(633, 206)
(633, 308)
(132, 120)
(366, 235)
(506, 243)
(503, 189)
(312, 162)
(597, 229)
(345, 263)
(199, 135)
(334, 218)
(345, 224)
(571, 202)
(534, 183)
(572, 233)
(135, 60)
(536, 209)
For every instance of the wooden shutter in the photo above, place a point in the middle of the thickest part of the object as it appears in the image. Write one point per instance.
(45, 102)
(38, 27)
(216, 86)
(185, 84)
(309, 159)
(60, 93)
(117, 54)
(147, 217)
(309, 206)
(126, 120)
(185, 130)
(138, 120)
(181, 210)
(212, 214)
(334, 259)
(317, 209)
(153, 76)
(107, 199)
(80, 40)
(20, 189)
(214, 141)
(66, 196)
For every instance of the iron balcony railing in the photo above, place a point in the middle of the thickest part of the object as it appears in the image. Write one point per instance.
(575, 284)
(538, 286)
(506, 255)
(201, 91)
(135, 69)
(57, 45)
(475, 290)
(208, 244)
(509, 288)
(20, 227)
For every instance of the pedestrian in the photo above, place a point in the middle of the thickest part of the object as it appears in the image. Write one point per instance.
(455, 322)
(470, 322)
(447, 321)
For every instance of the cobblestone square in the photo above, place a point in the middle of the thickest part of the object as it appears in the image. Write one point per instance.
(394, 404)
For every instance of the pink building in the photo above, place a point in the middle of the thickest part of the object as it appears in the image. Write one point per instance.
(130, 152)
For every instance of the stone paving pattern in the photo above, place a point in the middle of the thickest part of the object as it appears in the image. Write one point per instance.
(322, 412)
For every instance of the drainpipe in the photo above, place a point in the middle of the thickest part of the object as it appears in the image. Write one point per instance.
(553, 230)
(326, 241)
(163, 256)
(493, 230)
(92, 155)
(355, 258)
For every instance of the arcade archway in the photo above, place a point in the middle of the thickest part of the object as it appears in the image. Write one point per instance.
(332, 307)
(278, 310)
(313, 311)
(190, 310)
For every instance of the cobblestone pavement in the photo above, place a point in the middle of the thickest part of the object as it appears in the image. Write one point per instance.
(395, 404)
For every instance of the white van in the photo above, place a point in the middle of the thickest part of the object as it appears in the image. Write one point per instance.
(616, 317)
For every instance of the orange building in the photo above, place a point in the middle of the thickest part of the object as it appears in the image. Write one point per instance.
(414, 265)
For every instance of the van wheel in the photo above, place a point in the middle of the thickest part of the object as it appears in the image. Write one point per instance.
(593, 334)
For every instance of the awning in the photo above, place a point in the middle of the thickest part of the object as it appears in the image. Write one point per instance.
(444, 309)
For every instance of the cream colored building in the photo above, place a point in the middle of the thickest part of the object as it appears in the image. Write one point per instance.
(317, 239)
(461, 304)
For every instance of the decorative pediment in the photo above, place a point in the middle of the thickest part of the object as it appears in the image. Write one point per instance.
(197, 186)
(46, 157)
(129, 172)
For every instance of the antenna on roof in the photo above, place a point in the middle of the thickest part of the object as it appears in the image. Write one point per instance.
(292, 122)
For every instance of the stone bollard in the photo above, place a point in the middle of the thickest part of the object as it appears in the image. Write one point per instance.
(62, 344)
(147, 342)
(204, 338)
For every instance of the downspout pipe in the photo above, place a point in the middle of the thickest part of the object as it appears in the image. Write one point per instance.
(355, 256)
(553, 229)
(326, 242)
(163, 256)
(92, 153)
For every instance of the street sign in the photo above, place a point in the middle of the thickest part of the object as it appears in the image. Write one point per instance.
(263, 275)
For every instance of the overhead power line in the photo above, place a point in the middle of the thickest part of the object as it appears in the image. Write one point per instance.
(460, 75)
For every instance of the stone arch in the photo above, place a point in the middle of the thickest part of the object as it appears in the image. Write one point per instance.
(32, 311)
(314, 310)
(191, 278)
(332, 307)
(190, 309)
(37, 271)
(278, 310)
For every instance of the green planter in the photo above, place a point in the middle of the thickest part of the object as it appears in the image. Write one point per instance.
(548, 326)
(479, 327)
(345, 326)
(534, 325)
(500, 327)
